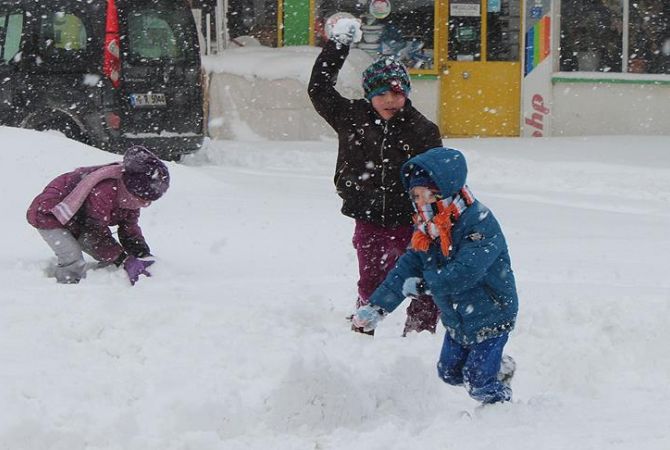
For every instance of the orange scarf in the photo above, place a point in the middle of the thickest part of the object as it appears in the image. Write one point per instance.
(448, 213)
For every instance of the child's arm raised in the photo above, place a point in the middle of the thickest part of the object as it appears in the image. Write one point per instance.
(326, 100)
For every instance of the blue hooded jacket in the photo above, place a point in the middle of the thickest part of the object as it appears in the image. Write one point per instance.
(474, 286)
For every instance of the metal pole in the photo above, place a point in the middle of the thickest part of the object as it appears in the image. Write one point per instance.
(218, 21)
(208, 32)
(226, 36)
(625, 49)
(197, 16)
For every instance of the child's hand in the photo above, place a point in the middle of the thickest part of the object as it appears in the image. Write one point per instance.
(135, 267)
(414, 287)
(367, 317)
(344, 30)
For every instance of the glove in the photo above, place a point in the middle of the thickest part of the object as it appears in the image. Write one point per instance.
(135, 267)
(344, 29)
(414, 287)
(367, 317)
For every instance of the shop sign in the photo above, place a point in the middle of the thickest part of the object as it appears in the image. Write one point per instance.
(536, 88)
(465, 8)
(536, 120)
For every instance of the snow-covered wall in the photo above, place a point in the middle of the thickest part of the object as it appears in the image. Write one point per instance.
(261, 92)
(582, 108)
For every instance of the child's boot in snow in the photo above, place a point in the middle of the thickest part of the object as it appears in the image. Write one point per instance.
(360, 330)
(507, 369)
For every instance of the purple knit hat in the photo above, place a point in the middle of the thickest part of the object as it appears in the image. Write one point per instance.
(144, 175)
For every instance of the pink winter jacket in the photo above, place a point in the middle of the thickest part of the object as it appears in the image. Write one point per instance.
(90, 225)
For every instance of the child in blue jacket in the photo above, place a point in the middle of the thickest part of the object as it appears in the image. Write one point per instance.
(458, 254)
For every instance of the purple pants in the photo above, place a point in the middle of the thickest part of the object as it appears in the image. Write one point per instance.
(378, 249)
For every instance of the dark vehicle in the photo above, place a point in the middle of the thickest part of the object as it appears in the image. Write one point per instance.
(110, 73)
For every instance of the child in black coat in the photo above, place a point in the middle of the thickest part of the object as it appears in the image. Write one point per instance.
(377, 135)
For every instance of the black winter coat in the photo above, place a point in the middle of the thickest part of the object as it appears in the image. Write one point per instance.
(371, 150)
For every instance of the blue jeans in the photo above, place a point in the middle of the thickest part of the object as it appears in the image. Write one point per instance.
(475, 366)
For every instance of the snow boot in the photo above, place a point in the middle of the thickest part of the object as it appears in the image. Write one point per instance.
(507, 369)
(360, 330)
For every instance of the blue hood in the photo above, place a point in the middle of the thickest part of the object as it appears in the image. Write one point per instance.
(446, 166)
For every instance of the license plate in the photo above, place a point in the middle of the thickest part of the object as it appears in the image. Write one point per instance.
(150, 99)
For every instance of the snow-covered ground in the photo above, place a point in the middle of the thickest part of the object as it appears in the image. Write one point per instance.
(239, 340)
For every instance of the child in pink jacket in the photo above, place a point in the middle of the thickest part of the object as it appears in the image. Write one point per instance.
(75, 211)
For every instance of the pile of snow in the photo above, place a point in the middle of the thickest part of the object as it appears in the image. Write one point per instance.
(239, 341)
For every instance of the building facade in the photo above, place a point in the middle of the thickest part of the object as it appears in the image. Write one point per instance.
(503, 67)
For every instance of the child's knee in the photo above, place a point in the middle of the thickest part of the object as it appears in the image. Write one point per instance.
(449, 375)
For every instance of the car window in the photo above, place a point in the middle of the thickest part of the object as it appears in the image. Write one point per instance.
(159, 35)
(63, 37)
(152, 37)
(11, 29)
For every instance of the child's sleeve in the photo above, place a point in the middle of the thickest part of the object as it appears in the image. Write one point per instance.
(428, 133)
(130, 235)
(96, 233)
(467, 268)
(389, 294)
(326, 100)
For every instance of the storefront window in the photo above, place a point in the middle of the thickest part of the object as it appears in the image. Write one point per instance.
(256, 18)
(407, 31)
(503, 24)
(502, 30)
(649, 49)
(593, 36)
(465, 26)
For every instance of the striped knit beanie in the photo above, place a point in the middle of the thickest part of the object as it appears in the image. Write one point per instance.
(385, 74)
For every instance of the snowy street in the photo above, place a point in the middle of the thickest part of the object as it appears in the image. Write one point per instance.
(239, 339)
